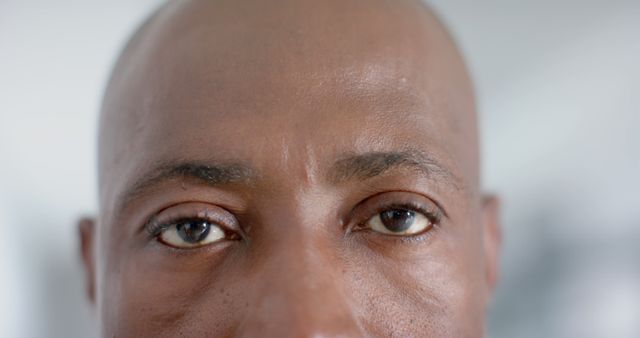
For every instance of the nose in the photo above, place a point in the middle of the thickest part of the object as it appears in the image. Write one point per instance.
(299, 292)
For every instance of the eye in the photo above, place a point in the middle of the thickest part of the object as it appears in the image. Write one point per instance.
(192, 225)
(399, 222)
(191, 233)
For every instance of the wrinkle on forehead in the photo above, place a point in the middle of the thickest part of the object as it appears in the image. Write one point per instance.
(238, 56)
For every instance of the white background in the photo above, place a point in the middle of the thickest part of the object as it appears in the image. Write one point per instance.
(559, 89)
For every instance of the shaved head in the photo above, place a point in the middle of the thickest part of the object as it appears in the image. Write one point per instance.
(290, 168)
(236, 57)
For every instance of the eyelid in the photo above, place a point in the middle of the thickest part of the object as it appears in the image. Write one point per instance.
(434, 214)
(378, 203)
(169, 216)
(434, 217)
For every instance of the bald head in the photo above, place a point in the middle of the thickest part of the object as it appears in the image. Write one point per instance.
(236, 57)
(290, 168)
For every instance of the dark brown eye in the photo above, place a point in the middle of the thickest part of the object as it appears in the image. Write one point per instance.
(399, 222)
(191, 233)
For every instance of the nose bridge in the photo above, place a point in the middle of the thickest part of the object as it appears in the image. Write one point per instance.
(298, 289)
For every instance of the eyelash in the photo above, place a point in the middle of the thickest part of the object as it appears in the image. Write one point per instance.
(155, 227)
(434, 215)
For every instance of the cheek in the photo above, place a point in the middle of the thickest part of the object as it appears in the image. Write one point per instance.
(433, 296)
(152, 294)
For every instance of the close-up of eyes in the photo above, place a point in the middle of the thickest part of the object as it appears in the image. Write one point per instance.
(398, 214)
(192, 225)
(191, 233)
(399, 222)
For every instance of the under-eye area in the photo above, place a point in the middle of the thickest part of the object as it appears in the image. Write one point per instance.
(193, 225)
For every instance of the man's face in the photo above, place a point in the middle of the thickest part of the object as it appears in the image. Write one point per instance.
(255, 184)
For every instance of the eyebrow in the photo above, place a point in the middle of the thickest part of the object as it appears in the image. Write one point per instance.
(350, 167)
(214, 174)
(369, 165)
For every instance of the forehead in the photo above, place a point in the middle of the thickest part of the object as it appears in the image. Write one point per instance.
(283, 89)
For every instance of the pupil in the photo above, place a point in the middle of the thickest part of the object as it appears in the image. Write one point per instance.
(397, 220)
(193, 231)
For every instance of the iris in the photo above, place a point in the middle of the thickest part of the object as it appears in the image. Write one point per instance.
(397, 220)
(193, 231)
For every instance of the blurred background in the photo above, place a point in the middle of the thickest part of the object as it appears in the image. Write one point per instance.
(559, 94)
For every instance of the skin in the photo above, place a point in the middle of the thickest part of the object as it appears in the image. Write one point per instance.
(291, 124)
